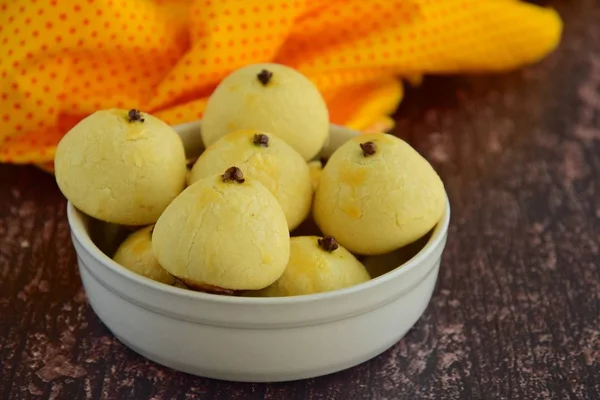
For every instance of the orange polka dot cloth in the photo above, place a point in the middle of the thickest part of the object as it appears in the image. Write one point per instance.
(61, 60)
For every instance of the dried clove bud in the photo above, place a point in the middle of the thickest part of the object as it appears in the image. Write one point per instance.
(233, 174)
(262, 140)
(264, 76)
(368, 148)
(134, 115)
(328, 243)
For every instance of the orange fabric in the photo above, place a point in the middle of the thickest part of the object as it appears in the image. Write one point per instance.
(62, 60)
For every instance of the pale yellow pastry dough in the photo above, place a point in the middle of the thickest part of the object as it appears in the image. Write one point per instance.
(312, 269)
(287, 104)
(274, 164)
(135, 254)
(225, 235)
(120, 171)
(377, 203)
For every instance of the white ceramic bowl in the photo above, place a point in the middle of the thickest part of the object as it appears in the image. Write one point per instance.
(257, 339)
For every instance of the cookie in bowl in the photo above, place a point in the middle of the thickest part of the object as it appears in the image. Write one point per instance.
(268, 159)
(377, 194)
(135, 254)
(121, 166)
(223, 234)
(317, 265)
(268, 97)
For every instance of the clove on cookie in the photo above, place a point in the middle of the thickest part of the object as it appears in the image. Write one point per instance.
(233, 174)
(261, 140)
(135, 115)
(327, 243)
(264, 76)
(368, 148)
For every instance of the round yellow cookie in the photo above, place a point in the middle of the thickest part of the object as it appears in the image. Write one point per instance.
(377, 194)
(135, 254)
(271, 98)
(223, 233)
(316, 265)
(121, 166)
(267, 159)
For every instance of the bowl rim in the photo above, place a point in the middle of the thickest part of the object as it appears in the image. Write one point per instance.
(81, 233)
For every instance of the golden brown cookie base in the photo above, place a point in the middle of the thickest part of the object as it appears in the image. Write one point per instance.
(132, 228)
(209, 288)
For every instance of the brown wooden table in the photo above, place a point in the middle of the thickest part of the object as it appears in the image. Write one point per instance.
(516, 313)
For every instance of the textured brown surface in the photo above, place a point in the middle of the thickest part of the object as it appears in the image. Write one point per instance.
(516, 313)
